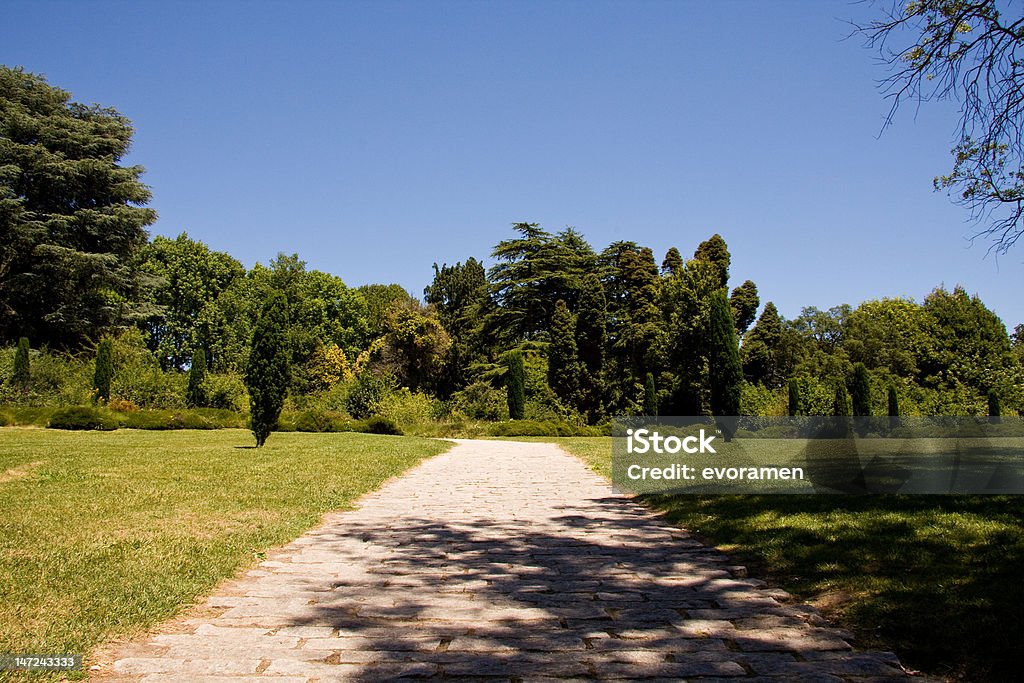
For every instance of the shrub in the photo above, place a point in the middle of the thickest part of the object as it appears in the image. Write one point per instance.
(5, 419)
(365, 394)
(83, 418)
(480, 401)
(515, 383)
(104, 372)
(122, 405)
(379, 425)
(411, 411)
(21, 376)
(226, 392)
(195, 396)
(320, 421)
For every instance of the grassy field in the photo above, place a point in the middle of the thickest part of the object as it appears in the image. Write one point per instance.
(940, 579)
(103, 534)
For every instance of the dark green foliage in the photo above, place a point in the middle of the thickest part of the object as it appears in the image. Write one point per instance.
(794, 398)
(673, 263)
(365, 394)
(84, 418)
(459, 294)
(21, 373)
(103, 374)
(841, 402)
(993, 403)
(894, 407)
(762, 349)
(564, 366)
(267, 371)
(71, 217)
(195, 395)
(650, 396)
(380, 425)
(515, 383)
(591, 326)
(714, 250)
(860, 391)
(725, 375)
(744, 301)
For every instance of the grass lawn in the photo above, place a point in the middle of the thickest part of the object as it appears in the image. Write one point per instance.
(104, 534)
(939, 579)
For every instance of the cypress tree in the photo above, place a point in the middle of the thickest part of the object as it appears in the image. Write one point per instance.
(794, 398)
(861, 391)
(993, 403)
(841, 402)
(591, 326)
(267, 371)
(650, 396)
(894, 408)
(194, 395)
(21, 374)
(563, 357)
(725, 374)
(515, 383)
(104, 373)
(673, 263)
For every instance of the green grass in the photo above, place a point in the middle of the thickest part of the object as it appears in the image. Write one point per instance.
(104, 534)
(939, 579)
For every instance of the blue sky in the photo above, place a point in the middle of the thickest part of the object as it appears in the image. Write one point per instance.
(374, 138)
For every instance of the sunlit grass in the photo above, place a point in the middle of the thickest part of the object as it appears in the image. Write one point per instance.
(103, 534)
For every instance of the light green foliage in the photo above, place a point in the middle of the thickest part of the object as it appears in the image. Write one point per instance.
(365, 393)
(380, 300)
(267, 371)
(71, 216)
(480, 401)
(673, 263)
(414, 347)
(104, 371)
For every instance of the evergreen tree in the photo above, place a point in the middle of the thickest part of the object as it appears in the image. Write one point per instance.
(563, 357)
(993, 403)
(267, 372)
(72, 218)
(714, 250)
(861, 391)
(673, 263)
(650, 396)
(760, 349)
(515, 383)
(841, 402)
(21, 373)
(744, 302)
(725, 375)
(195, 395)
(894, 408)
(794, 398)
(103, 375)
(591, 321)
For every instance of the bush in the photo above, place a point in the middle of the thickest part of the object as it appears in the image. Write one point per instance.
(320, 421)
(480, 401)
(379, 425)
(206, 418)
(226, 392)
(5, 419)
(84, 418)
(411, 411)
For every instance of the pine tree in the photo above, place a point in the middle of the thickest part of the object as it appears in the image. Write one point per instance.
(267, 371)
(195, 395)
(591, 325)
(714, 250)
(673, 263)
(861, 391)
(104, 373)
(21, 373)
(744, 301)
(725, 375)
(650, 396)
(563, 357)
(515, 383)
(794, 398)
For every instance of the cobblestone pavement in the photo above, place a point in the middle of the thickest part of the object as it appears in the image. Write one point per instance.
(497, 560)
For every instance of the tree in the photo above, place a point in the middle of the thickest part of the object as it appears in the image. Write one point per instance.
(414, 346)
(861, 391)
(591, 325)
(744, 302)
(725, 375)
(195, 395)
(714, 250)
(459, 293)
(21, 373)
(894, 408)
(650, 396)
(760, 349)
(841, 402)
(564, 366)
(71, 217)
(673, 263)
(103, 374)
(267, 371)
(794, 397)
(993, 403)
(515, 382)
(967, 52)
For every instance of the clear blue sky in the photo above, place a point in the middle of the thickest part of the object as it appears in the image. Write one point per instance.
(374, 138)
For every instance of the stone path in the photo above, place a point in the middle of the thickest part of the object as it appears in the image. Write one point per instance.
(504, 561)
